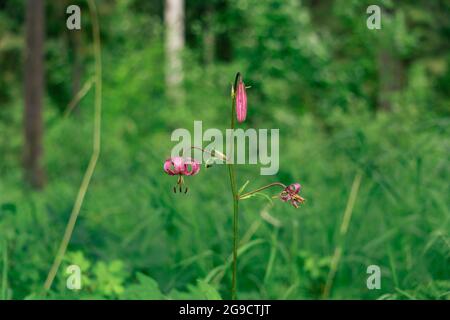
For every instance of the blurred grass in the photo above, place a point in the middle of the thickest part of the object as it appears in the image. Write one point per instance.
(136, 239)
(400, 221)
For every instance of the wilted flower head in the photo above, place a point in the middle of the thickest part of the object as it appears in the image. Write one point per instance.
(241, 101)
(290, 193)
(181, 167)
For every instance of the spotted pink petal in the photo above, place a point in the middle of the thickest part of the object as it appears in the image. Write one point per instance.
(294, 188)
(178, 165)
(174, 166)
(192, 167)
(241, 101)
(167, 167)
(295, 203)
(284, 196)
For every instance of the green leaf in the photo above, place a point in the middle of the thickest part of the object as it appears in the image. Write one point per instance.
(202, 291)
(146, 289)
(209, 291)
(243, 186)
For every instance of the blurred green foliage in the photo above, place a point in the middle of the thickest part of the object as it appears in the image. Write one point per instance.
(314, 74)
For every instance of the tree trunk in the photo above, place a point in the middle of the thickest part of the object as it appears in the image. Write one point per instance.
(391, 68)
(209, 37)
(391, 77)
(174, 44)
(34, 88)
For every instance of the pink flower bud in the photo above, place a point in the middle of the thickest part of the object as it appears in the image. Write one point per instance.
(241, 101)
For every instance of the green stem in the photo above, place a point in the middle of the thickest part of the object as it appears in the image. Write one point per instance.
(5, 272)
(96, 139)
(235, 231)
(234, 191)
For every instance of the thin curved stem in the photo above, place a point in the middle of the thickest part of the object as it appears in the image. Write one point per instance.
(212, 154)
(262, 188)
(95, 151)
(79, 95)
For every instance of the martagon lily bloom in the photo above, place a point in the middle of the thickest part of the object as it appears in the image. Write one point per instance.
(290, 193)
(181, 167)
(241, 101)
(188, 167)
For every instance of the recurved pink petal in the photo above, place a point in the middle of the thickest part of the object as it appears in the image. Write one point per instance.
(295, 203)
(294, 188)
(192, 167)
(174, 166)
(178, 165)
(168, 167)
(284, 196)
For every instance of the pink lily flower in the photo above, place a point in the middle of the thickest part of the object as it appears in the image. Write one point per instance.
(290, 193)
(241, 101)
(181, 167)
